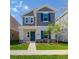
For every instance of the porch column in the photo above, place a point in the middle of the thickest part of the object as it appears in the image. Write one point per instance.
(21, 34)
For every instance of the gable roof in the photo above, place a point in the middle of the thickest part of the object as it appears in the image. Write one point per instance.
(64, 13)
(42, 8)
(45, 8)
(31, 13)
(14, 24)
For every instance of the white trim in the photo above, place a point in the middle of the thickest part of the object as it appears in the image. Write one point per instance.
(35, 17)
(27, 27)
(45, 11)
(29, 20)
(45, 21)
(44, 17)
(32, 20)
(25, 21)
(28, 16)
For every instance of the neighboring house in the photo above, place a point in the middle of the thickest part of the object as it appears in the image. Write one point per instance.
(35, 23)
(63, 21)
(14, 31)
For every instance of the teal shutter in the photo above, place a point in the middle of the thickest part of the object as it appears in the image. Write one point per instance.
(41, 16)
(49, 35)
(49, 16)
(41, 34)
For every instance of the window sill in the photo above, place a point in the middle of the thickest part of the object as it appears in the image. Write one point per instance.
(45, 21)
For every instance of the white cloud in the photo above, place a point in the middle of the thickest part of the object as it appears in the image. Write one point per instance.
(19, 5)
(13, 15)
(14, 9)
(13, 2)
(26, 7)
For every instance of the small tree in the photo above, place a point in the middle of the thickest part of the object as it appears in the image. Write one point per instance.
(55, 28)
(49, 29)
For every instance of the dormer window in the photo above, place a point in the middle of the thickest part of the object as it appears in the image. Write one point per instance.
(29, 20)
(26, 20)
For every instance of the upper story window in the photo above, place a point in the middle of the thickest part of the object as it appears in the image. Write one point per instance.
(32, 20)
(29, 20)
(26, 20)
(45, 17)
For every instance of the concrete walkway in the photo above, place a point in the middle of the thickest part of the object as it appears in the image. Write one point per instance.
(38, 52)
(32, 46)
(32, 51)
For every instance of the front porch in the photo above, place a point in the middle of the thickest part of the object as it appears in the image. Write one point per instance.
(34, 33)
(27, 33)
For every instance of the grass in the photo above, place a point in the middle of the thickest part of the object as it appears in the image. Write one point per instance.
(51, 46)
(39, 57)
(23, 46)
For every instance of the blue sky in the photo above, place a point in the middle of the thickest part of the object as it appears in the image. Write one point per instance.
(19, 7)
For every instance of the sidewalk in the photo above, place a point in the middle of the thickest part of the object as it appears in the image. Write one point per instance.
(39, 52)
(32, 51)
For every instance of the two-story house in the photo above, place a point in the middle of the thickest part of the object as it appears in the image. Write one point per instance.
(35, 22)
(63, 21)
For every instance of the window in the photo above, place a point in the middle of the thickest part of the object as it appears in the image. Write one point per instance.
(45, 35)
(45, 17)
(29, 20)
(26, 20)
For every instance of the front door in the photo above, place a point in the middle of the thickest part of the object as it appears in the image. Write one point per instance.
(32, 36)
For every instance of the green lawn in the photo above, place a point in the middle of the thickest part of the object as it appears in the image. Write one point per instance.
(51, 46)
(23, 46)
(39, 57)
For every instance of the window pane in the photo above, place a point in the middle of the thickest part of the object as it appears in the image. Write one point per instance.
(45, 16)
(31, 19)
(44, 35)
(26, 20)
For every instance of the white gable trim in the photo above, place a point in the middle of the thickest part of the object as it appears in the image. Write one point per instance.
(45, 6)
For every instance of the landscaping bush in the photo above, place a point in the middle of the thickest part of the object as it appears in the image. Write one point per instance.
(52, 40)
(14, 42)
(38, 41)
(41, 41)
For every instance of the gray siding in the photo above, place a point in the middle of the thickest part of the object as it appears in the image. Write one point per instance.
(40, 23)
(63, 36)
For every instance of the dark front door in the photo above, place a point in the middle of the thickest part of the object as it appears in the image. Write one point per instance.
(32, 36)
